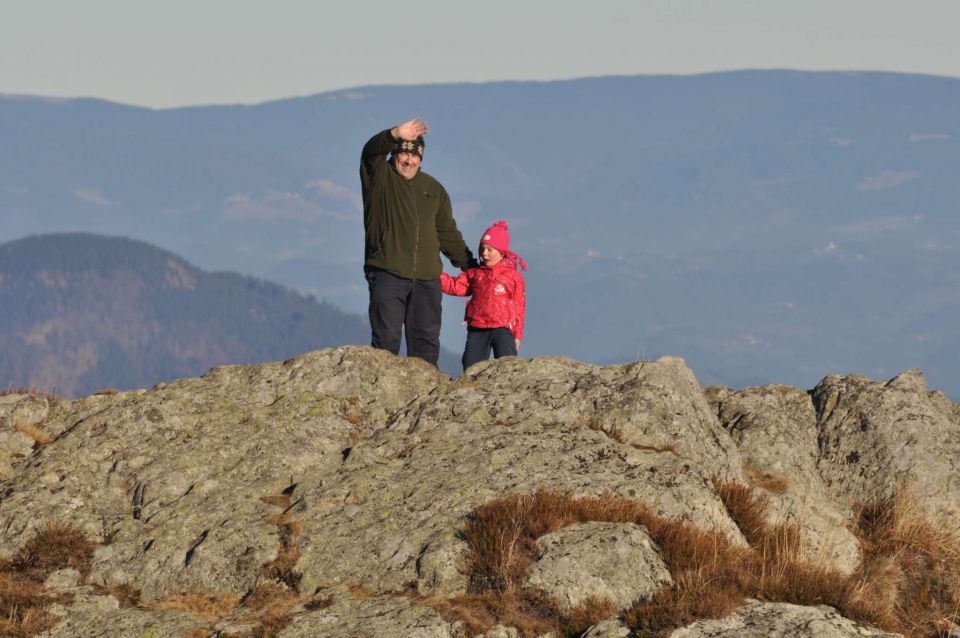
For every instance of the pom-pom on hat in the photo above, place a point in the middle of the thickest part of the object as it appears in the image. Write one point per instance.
(414, 147)
(498, 236)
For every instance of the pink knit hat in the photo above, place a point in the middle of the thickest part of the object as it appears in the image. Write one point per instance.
(498, 236)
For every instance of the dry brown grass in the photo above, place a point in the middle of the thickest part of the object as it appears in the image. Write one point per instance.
(204, 605)
(773, 483)
(277, 500)
(272, 604)
(55, 546)
(23, 606)
(592, 611)
(404, 452)
(272, 601)
(910, 573)
(908, 582)
(31, 391)
(318, 602)
(34, 431)
(777, 570)
(747, 509)
(656, 448)
(501, 539)
(359, 591)
(24, 603)
(126, 594)
(283, 567)
(615, 432)
(525, 610)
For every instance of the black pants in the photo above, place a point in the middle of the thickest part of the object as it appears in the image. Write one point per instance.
(481, 340)
(397, 304)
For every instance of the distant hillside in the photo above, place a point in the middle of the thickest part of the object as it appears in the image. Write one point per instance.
(81, 312)
(764, 225)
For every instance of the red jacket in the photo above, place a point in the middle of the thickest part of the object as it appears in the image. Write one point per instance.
(498, 297)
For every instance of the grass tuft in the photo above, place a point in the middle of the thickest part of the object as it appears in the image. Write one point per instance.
(909, 577)
(203, 605)
(36, 392)
(277, 500)
(55, 546)
(593, 610)
(773, 483)
(501, 537)
(23, 606)
(34, 431)
(273, 603)
(747, 509)
(908, 582)
(283, 568)
(318, 603)
(24, 603)
(127, 595)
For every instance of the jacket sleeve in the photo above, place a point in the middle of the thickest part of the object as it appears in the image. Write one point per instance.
(458, 286)
(519, 305)
(451, 241)
(373, 158)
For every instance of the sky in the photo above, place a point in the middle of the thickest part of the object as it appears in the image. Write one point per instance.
(193, 52)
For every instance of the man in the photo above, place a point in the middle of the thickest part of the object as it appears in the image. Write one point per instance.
(408, 221)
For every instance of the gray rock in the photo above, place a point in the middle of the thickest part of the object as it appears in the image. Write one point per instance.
(62, 579)
(609, 628)
(500, 631)
(779, 620)
(875, 436)
(382, 457)
(381, 616)
(439, 567)
(51, 415)
(775, 429)
(175, 476)
(95, 616)
(28, 408)
(510, 427)
(616, 561)
(14, 445)
(657, 405)
(375, 460)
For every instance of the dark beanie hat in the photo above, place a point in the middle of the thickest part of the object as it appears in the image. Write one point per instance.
(415, 147)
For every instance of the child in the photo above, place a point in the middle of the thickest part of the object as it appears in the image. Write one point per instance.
(494, 314)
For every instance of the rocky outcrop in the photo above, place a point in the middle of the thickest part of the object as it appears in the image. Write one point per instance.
(775, 430)
(352, 617)
(614, 561)
(876, 435)
(351, 470)
(761, 620)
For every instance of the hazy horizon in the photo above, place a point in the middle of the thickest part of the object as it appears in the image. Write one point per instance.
(180, 54)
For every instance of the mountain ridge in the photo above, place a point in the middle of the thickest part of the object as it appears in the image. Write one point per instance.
(84, 312)
(736, 218)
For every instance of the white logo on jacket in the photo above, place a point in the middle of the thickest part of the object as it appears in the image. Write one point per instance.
(500, 289)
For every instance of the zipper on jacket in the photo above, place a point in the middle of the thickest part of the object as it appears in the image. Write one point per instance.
(416, 242)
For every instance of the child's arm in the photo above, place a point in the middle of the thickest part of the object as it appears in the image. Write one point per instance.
(458, 286)
(520, 308)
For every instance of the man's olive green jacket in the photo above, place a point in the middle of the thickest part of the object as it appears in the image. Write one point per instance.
(407, 222)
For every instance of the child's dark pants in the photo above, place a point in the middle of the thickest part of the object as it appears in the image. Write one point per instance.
(481, 340)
